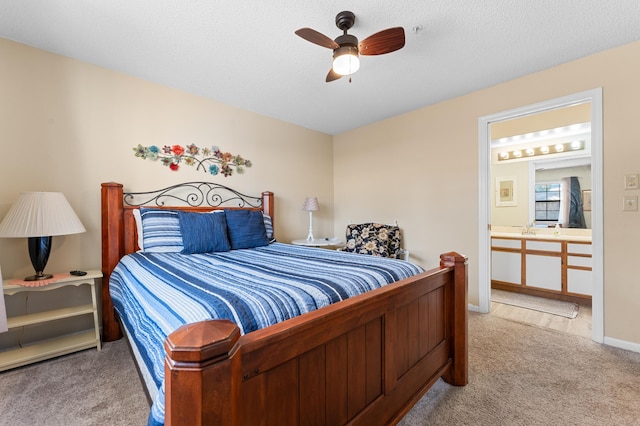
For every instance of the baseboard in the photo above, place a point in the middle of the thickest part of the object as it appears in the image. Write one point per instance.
(473, 308)
(622, 344)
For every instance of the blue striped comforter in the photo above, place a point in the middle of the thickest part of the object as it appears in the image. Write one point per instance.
(155, 293)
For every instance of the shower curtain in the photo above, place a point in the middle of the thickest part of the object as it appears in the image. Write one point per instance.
(571, 212)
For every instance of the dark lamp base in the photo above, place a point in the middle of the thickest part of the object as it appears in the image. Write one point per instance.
(38, 277)
(39, 249)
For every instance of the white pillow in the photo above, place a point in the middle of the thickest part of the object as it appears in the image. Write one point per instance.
(138, 219)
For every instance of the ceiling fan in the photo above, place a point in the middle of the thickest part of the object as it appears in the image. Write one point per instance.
(346, 49)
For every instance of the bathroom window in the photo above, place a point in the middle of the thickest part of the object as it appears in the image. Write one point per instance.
(547, 201)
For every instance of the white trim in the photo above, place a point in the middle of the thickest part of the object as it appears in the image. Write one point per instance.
(622, 344)
(473, 308)
(532, 194)
(484, 138)
(484, 186)
(597, 216)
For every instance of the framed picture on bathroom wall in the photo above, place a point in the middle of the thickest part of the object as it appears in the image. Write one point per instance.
(506, 192)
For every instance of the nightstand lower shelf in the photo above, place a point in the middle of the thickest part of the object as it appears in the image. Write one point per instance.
(47, 349)
(55, 314)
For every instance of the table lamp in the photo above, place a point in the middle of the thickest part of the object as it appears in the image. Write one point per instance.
(39, 216)
(310, 205)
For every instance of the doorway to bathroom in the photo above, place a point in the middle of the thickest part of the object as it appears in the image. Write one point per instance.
(507, 172)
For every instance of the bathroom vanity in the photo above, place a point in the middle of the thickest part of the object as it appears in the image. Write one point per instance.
(543, 262)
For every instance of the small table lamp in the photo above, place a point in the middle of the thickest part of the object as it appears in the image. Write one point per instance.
(310, 205)
(38, 216)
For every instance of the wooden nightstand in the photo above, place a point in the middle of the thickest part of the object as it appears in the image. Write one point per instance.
(57, 346)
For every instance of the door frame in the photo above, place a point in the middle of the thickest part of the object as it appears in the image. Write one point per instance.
(593, 96)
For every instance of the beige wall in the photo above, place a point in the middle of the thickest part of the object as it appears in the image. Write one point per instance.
(566, 116)
(422, 168)
(68, 126)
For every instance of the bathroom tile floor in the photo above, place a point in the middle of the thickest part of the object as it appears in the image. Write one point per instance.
(581, 325)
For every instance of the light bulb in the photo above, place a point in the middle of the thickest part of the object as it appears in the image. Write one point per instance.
(346, 60)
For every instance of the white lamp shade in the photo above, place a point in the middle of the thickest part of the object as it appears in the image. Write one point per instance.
(310, 204)
(40, 214)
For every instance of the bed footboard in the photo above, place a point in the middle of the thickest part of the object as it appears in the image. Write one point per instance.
(365, 360)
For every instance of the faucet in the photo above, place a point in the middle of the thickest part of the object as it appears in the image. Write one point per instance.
(529, 229)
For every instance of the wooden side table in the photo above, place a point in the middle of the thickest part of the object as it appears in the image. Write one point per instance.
(61, 345)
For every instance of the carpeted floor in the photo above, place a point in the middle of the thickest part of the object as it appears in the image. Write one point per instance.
(85, 388)
(522, 374)
(519, 375)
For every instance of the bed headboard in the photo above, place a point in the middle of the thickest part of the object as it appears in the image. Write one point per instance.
(119, 234)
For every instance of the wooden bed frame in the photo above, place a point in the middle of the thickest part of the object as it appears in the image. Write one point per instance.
(366, 360)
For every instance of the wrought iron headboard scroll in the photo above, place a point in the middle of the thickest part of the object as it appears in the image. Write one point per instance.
(194, 194)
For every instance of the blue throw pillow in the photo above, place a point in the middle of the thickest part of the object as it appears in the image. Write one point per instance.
(203, 232)
(161, 231)
(246, 229)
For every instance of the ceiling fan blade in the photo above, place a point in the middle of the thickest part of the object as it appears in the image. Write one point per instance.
(385, 41)
(332, 75)
(317, 38)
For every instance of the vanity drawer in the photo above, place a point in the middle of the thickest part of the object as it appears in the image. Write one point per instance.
(497, 242)
(578, 261)
(573, 248)
(544, 246)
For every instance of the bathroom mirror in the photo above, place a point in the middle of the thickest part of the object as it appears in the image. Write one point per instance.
(537, 153)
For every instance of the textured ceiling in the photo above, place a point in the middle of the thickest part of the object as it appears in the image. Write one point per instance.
(245, 53)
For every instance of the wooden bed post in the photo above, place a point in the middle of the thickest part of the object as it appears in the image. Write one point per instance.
(112, 251)
(197, 354)
(458, 374)
(267, 204)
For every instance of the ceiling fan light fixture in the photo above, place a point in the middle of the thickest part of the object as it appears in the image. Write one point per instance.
(347, 49)
(346, 60)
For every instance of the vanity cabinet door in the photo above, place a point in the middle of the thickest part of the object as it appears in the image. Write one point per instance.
(580, 281)
(544, 272)
(544, 265)
(506, 267)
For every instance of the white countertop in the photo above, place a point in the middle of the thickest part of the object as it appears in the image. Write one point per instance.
(581, 235)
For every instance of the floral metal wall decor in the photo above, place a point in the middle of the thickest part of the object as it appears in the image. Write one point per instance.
(210, 160)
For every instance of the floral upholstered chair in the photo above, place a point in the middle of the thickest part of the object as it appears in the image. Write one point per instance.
(376, 239)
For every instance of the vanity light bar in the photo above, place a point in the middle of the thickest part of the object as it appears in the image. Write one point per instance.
(541, 150)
